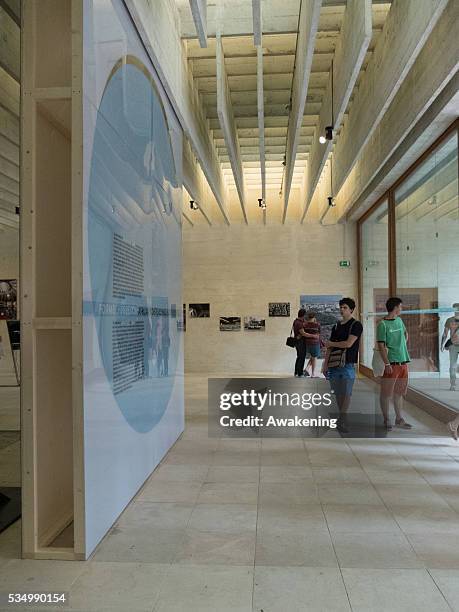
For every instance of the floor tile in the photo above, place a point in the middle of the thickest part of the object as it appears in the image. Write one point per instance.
(448, 583)
(296, 589)
(155, 515)
(180, 473)
(348, 493)
(339, 474)
(393, 475)
(449, 493)
(351, 518)
(213, 548)
(206, 589)
(393, 590)
(410, 495)
(285, 473)
(39, 575)
(275, 444)
(413, 519)
(168, 491)
(332, 459)
(118, 587)
(224, 518)
(292, 548)
(436, 550)
(246, 458)
(284, 457)
(303, 492)
(374, 550)
(233, 473)
(281, 517)
(228, 493)
(140, 545)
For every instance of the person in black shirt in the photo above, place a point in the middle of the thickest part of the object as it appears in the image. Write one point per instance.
(345, 335)
(299, 334)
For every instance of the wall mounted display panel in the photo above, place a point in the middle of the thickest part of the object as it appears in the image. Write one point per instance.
(326, 309)
(132, 197)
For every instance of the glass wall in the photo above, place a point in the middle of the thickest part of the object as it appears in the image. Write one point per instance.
(418, 226)
(427, 256)
(374, 269)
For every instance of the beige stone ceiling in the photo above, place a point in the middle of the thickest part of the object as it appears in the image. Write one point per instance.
(280, 19)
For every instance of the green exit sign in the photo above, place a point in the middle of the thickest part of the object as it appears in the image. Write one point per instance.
(345, 263)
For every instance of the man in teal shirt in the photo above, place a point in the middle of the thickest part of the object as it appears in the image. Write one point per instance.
(392, 339)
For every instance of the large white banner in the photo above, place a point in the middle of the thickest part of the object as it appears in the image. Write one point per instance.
(133, 349)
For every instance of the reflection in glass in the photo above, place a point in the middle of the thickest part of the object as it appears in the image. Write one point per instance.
(427, 230)
(375, 276)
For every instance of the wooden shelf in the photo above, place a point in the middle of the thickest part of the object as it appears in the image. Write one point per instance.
(52, 93)
(52, 323)
(51, 263)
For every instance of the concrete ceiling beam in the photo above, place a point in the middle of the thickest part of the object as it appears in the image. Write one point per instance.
(195, 183)
(407, 27)
(158, 30)
(350, 52)
(425, 104)
(235, 18)
(307, 30)
(257, 22)
(261, 124)
(228, 125)
(9, 93)
(188, 219)
(10, 44)
(199, 12)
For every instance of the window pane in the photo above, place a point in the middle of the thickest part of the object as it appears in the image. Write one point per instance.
(427, 238)
(375, 276)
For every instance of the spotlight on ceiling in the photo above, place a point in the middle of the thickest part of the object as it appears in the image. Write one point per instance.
(193, 205)
(331, 201)
(261, 203)
(327, 136)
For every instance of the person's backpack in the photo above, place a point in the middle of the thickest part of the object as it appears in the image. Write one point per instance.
(337, 357)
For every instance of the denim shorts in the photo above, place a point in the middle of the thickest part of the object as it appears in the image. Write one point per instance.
(342, 379)
(312, 350)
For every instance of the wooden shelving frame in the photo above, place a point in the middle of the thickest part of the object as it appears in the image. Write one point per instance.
(51, 277)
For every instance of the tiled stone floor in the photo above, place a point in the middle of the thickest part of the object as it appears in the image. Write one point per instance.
(274, 525)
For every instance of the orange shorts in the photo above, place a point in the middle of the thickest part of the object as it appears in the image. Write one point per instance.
(395, 383)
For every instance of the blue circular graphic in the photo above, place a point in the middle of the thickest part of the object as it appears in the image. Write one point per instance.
(134, 245)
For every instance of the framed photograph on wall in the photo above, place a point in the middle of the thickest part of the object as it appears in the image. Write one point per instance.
(9, 299)
(230, 323)
(199, 311)
(254, 323)
(279, 309)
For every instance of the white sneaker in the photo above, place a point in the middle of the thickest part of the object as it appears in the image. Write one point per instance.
(452, 388)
